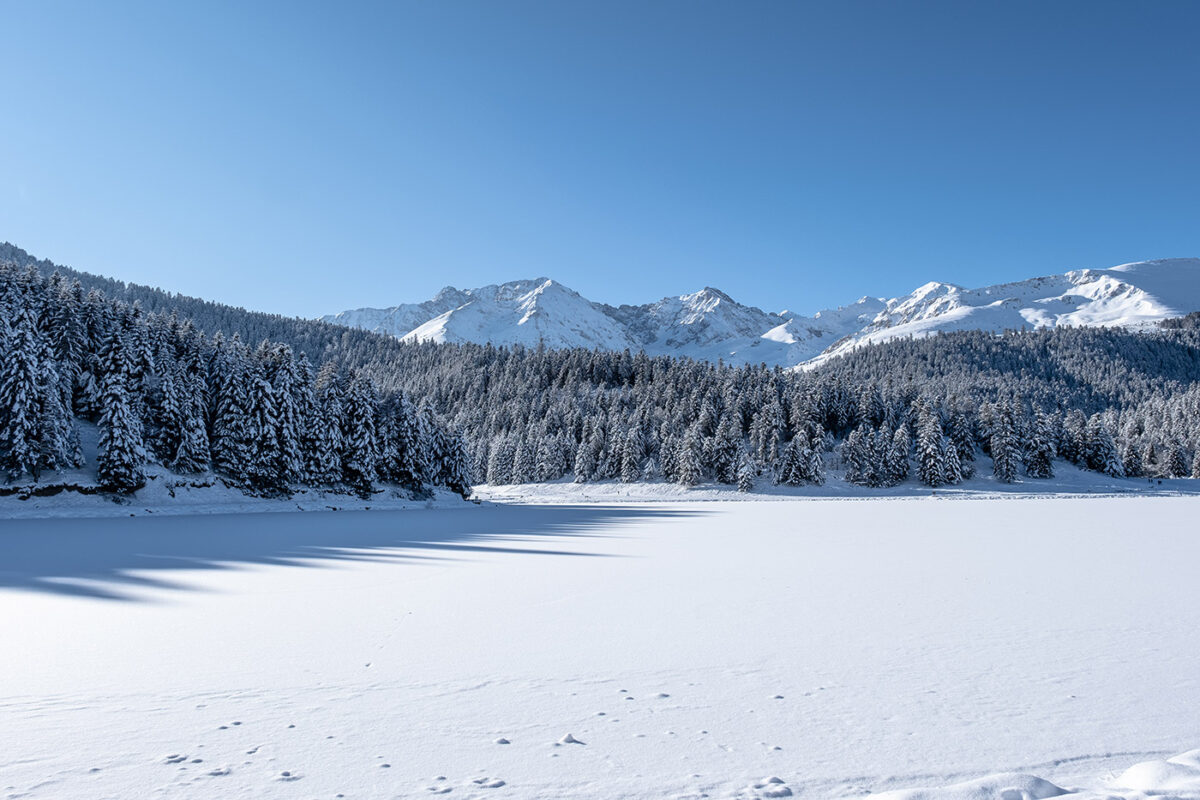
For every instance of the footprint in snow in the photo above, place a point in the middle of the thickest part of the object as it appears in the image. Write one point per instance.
(488, 783)
(502, 740)
(220, 771)
(288, 776)
(175, 758)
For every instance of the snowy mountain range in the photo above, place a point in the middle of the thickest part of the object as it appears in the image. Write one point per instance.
(709, 324)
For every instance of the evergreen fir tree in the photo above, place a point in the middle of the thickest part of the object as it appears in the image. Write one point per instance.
(359, 446)
(1005, 451)
(193, 452)
(324, 463)
(746, 472)
(931, 451)
(689, 466)
(631, 457)
(20, 387)
(1132, 460)
(1176, 463)
(896, 466)
(1039, 454)
(1100, 451)
(121, 454)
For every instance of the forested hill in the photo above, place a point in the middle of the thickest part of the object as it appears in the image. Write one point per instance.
(318, 340)
(934, 410)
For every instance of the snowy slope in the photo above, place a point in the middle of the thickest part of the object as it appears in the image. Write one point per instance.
(709, 324)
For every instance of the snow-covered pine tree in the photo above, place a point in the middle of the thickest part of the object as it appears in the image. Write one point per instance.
(1132, 460)
(813, 464)
(287, 387)
(230, 438)
(324, 458)
(1072, 442)
(500, 461)
(1039, 455)
(359, 447)
(1006, 453)
(856, 456)
(631, 456)
(193, 453)
(746, 472)
(449, 463)
(963, 438)
(58, 443)
(896, 463)
(790, 469)
(689, 464)
(20, 390)
(1150, 465)
(168, 410)
(1100, 451)
(524, 469)
(263, 473)
(931, 450)
(725, 450)
(586, 459)
(119, 463)
(1176, 463)
(408, 457)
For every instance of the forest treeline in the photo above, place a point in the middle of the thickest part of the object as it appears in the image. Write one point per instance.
(935, 410)
(161, 390)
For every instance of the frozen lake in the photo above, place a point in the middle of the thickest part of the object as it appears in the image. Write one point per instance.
(691, 649)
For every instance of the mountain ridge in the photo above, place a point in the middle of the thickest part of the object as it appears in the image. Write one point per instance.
(709, 324)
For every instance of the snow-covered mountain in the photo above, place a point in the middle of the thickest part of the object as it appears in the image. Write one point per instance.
(709, 324)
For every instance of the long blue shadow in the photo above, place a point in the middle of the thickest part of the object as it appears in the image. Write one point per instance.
(97, 557)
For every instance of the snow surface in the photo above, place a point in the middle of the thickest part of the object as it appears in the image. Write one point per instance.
(1003, 648)
(710, 325)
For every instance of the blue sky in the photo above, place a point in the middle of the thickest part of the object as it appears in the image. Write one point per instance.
(306, 158)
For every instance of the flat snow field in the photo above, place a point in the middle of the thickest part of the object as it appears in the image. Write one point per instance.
(814, 649)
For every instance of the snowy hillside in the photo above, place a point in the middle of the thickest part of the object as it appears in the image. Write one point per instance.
(709, 324)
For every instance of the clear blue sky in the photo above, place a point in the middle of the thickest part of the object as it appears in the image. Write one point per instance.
(309, 157)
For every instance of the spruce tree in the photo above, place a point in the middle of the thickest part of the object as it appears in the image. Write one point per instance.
(690, 466)
(746, 472)
(359, 445)
(631, 457)
(931, 451)
(1005, 451)
(121, 454)
(20, 387)
(1176, 464)
(1039, 454)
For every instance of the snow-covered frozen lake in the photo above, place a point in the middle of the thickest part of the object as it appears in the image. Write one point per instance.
(689, 649)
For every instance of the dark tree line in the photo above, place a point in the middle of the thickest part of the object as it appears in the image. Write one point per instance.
(935, 410)
(160, 390)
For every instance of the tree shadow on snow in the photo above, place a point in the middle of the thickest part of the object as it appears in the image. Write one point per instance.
(98, 558)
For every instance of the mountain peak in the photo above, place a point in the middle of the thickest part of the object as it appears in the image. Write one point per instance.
(709, 324)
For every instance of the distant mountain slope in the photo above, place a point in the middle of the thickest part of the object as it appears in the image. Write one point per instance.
(710, 325)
